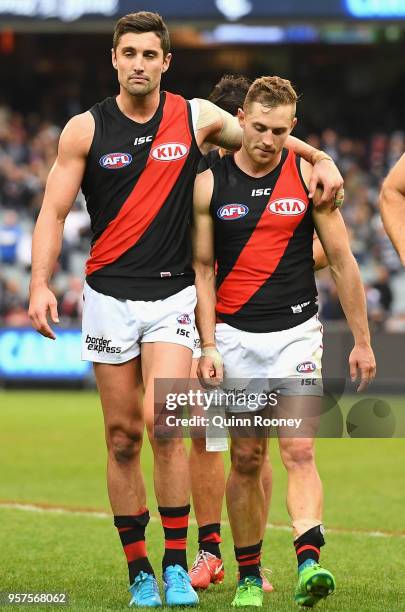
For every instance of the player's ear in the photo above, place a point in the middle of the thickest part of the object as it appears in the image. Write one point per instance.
(166, 62)
(241, 117)
(293, 123)
(114, 58)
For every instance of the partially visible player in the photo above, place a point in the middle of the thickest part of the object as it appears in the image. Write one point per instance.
(207, 471)
(392, 205)
(261, 319)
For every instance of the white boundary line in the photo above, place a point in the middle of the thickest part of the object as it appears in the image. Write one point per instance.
(105, 515)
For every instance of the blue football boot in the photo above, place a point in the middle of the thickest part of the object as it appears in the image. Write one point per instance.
(145, 591)
(178, 589)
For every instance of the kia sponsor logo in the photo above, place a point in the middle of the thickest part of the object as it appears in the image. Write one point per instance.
(306, 367)
(115, 161)
(184, 319)
(231, 212)
(169, 151)
(287, 206)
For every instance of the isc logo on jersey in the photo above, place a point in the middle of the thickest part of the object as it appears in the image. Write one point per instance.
(287, 206)
(115, 161)
(231, 212)
(306, 367)
(169, 151)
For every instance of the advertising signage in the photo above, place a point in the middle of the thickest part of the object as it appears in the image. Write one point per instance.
(25, 355)
(200, 10)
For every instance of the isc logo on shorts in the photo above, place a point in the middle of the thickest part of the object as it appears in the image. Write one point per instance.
(115, 161)
(306, 367)
(169, 151)
(287, 206)
(231, 212)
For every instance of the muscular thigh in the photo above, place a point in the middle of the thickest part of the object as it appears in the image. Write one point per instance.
(167, 366)
(121, 392)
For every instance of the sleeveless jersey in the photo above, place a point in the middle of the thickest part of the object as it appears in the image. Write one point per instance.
(208, 160)
(263, 246)
(138, 186)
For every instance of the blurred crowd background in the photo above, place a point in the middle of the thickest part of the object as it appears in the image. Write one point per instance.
(351, 106)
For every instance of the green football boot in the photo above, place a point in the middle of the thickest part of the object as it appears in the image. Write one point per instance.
(314, 583)
(249, 592)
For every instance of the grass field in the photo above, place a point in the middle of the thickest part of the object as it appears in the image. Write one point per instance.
(52, 456)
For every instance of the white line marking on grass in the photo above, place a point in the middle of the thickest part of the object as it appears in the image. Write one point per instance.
(45, 508)
(54, 510)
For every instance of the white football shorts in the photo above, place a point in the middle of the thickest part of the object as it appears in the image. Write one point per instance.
(113, 329)
(287, 361)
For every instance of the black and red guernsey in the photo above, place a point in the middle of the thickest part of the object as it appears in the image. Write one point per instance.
(138, 186)
(263, 246)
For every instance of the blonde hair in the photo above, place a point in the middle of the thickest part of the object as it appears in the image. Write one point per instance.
(271, 91)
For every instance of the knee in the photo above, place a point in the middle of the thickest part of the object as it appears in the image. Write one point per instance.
(248, 460)
(124, 444)
(298, 454)
(167, 449)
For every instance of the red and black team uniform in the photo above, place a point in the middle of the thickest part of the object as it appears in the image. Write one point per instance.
(138, 186)
(266, 292)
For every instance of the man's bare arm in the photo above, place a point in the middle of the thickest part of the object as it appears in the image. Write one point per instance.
(218, 127)
(210, 365)
(324, 172)
(392, 206)
(319, 255)
(333, 236)
(203, 257)
(332, 233)
(62, 186)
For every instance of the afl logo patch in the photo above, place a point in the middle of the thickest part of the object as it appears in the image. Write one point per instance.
(231, 212)
(306, 367)
(287, 206)
(169, 151)
(184, 319)
(115, 161)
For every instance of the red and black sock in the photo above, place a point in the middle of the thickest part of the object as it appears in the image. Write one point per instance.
(308, 545)
(131, 530)
(209, 539)
(248, 559)
(175, 525)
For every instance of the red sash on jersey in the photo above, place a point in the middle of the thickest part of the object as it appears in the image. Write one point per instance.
(150, 192)
(265, 247)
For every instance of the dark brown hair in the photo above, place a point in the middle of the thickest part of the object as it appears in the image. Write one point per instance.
(271, 91)
(230, 92)
(142, 22)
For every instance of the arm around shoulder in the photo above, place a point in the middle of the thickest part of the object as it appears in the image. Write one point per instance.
(324, 172)
(218, 127)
